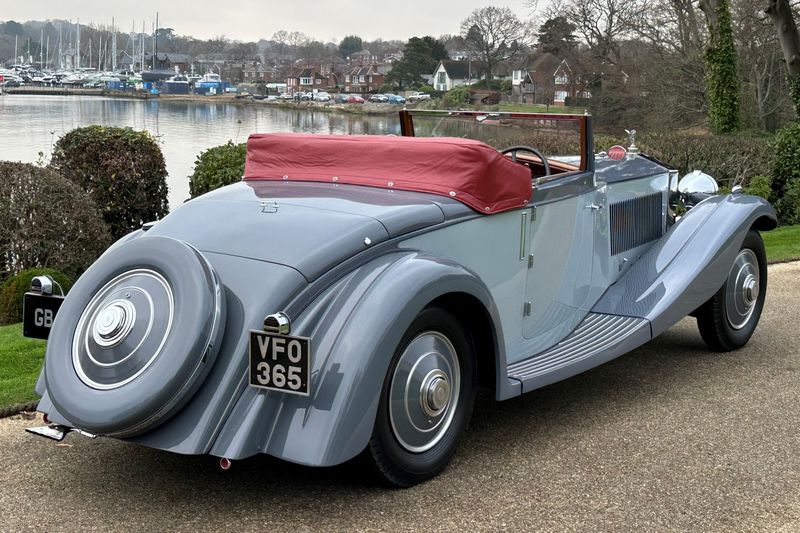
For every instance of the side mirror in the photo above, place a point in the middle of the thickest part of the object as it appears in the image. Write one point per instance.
(697, 182)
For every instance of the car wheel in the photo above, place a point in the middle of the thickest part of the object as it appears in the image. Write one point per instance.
(729, 318)
(135, 338)
(426, 401)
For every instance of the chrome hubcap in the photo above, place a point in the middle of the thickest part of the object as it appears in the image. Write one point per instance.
(434, 395)
(114, 323)
(743, 289)
(424, 391)
(123, 329)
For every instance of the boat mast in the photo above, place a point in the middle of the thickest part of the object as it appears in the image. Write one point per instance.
(155, 42)
(78, 52)
(113, 46)
(41, 49)
(15, 48)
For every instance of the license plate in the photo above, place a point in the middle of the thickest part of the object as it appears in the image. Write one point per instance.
(38, 313)
(280, 362)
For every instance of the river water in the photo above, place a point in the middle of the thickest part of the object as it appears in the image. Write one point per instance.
(32, 124)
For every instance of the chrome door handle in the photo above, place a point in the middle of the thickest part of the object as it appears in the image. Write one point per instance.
(593, 207)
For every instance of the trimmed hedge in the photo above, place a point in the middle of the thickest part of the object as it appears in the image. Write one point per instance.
(217, 167)
(786, 174)
(47, 221)
(15, 287)
(122, 170)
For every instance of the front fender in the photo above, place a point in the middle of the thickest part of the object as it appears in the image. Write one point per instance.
(689, 264)
(355, 327)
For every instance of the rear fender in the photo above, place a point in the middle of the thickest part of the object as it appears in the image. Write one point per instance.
(690, 263)
(355, 327)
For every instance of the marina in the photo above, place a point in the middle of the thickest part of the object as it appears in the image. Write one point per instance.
(32, 124)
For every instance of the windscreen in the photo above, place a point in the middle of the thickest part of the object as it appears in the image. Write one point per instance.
(557, 137)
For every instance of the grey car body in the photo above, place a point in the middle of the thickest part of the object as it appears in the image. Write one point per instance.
(546, 291)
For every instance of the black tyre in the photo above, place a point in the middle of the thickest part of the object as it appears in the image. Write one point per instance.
(426, 401)
(135, 337)
(729, 318)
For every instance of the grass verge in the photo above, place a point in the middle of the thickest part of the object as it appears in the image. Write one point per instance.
(21, 358)
(530, 108)
(20, 362)
(783, 244)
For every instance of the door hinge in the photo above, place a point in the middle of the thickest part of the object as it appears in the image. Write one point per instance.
(530, 261)
(527, 309)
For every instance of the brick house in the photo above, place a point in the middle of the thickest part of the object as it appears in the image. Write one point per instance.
(363, 80)
(546, 79)
(306, 80)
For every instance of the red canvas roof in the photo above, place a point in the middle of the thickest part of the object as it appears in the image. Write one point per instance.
(469, 171)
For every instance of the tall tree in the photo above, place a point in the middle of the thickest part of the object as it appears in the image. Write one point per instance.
(722, 77)
(420, 57)
(557, 36)
(494, 34)
(350, 45)
(437, 48)
(602, 23)
(782, 18)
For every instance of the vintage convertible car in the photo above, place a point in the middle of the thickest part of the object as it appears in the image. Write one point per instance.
(348, 296)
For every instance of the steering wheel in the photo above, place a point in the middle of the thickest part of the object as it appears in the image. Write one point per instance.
(514, 149)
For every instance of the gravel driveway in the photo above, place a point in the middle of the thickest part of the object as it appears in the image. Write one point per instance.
(670, 437)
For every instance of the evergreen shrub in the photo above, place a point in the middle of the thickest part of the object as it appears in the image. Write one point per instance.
(123, 171)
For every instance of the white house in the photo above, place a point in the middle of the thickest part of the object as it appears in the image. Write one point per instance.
(449, 74)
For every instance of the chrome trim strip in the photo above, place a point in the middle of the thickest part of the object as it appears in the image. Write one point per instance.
(523, 236)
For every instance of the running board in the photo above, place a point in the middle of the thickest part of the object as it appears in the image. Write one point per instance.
(597, 340)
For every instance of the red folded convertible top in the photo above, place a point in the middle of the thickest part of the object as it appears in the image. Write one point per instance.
(469, 171)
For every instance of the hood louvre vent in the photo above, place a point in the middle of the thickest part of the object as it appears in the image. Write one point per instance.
(636, 222)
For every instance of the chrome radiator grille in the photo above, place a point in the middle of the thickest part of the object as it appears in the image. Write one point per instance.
(635, 222)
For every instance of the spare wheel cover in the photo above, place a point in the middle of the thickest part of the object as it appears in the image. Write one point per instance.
(135, 337)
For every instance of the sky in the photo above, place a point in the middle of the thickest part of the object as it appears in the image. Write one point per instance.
(249, 20)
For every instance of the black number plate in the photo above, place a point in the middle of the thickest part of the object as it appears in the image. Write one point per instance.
(280, 362)
(38, 313)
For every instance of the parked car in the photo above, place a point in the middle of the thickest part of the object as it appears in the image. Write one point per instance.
(379, 98)
(349, 296)
(322, 96)
(416, 96)
(341, 98)
(354, 99)
(285, 96)
(395, 99)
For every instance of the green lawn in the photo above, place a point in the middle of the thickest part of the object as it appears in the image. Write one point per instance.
(525, 108)
(20, 362)
(21, 358)
(783, 244)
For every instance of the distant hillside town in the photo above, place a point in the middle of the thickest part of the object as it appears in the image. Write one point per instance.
(63, 53)
(644, 62)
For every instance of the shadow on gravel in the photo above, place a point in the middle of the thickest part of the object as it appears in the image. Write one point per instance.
(668, 367)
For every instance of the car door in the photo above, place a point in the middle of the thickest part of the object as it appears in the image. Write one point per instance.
(560, 259)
